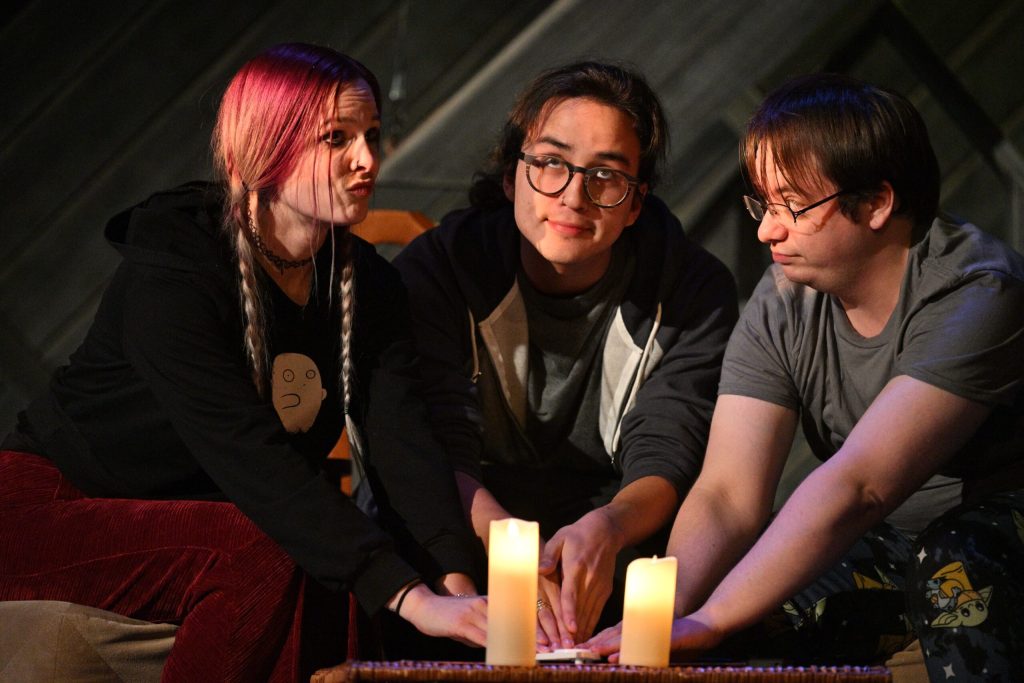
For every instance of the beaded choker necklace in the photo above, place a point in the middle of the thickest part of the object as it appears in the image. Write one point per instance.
(280, 263)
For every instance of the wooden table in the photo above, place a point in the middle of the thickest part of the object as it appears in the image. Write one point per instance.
(353, 671)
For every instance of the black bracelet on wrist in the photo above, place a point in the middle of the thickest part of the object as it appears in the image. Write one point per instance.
(405, 592)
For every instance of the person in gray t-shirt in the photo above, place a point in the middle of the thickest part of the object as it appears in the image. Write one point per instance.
(897, 341)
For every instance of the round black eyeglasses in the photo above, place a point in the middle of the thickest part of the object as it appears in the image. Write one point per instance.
(605, 187)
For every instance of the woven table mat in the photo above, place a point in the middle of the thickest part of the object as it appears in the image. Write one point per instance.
(353, 671)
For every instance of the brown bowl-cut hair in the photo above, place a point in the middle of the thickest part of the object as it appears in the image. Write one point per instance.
(835, 128)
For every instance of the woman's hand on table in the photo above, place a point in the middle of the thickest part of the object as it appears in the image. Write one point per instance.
(463, 619)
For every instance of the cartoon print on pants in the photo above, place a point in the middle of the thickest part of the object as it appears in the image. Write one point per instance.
(297, 391)
(950, 591)
(883, 582)
(812, 614)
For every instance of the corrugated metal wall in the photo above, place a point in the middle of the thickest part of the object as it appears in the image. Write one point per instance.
(105, 102)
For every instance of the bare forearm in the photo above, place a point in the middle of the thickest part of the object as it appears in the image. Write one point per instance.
(730, 503)
(819, 523)
(641, 508)
(910, 430)
(455, 584)
(709, 536)
(480, 505)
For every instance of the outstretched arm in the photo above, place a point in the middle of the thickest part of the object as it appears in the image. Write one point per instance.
(480, 506)
(905, 436)
(585, 550)
(730, 502)
(732, 499)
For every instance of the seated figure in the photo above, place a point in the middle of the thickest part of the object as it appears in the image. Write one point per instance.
(895, 337)
(572, 337)
(172, 472)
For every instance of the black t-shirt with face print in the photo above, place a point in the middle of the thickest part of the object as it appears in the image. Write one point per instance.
(304, 348)
(159, 403)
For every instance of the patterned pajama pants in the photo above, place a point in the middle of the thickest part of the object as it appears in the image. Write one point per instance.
(959, 588)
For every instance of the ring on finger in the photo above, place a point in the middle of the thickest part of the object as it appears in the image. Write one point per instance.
(542, 604)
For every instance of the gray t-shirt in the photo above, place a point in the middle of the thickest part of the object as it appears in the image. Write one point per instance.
(958, 325)
(527, 468)
(563, 385)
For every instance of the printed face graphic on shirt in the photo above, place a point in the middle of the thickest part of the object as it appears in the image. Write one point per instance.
(297, 391)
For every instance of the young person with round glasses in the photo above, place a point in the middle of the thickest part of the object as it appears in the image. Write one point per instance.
(571, 337)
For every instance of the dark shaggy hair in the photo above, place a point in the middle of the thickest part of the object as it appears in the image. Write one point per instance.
(609, 84)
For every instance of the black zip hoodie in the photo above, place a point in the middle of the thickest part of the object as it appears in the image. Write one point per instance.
(676, 316)
(158, 403)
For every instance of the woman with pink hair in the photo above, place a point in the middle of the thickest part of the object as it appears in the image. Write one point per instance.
(181, 447)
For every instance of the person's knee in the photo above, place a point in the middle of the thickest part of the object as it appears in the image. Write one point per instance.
(963, 589)
(991, 530)
(970, 545)
(265, 561)
(243, 560)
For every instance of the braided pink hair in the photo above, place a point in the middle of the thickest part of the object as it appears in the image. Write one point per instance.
(269, 113)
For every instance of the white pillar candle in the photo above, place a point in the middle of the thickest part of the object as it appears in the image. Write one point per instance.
(647, 611)
(512, 592)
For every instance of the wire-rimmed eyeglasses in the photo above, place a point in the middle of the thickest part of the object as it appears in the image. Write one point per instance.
(550, 175)
(758, 209)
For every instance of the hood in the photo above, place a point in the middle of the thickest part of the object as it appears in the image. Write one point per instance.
(179, 229)
(481, 247)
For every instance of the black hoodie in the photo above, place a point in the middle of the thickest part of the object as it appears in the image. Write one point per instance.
(158, 403)
(661, 356)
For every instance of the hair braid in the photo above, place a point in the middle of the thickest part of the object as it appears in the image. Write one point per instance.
(270, 113)
(346, 289)
(252, 308)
